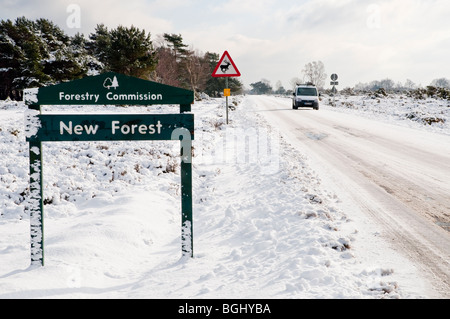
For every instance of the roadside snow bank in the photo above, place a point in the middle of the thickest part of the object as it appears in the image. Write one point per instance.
(430, 114)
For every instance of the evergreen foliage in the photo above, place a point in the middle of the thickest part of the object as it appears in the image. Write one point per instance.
(261, 87)
(175, 42)
(124, 50)
(39, 53)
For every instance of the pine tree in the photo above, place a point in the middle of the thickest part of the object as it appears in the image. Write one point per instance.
(124, 50)
(99, 43)
(213, 85)
(30, 71)
(10, 56)
(64, 63)
(175, 42)
(37, 53)
(79, 50)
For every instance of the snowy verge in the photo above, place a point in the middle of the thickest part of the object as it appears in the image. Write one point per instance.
(430, 114)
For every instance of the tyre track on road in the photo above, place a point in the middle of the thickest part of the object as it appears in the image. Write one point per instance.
(400, 184)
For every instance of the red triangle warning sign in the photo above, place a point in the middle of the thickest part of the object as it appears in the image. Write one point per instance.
(226, 67)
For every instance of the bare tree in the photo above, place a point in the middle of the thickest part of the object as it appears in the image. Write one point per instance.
(442, 82)
(197, 68)
(278, 85)
(166, 71)
(279, 89)
(410, 85)
(294, 82)
(314, 72)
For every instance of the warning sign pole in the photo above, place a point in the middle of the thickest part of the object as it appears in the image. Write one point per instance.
(227, 89)
(226, 68)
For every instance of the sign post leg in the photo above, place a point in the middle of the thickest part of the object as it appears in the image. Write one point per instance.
(187, 235)
(36, 205)
(185, 108)
(226, 84)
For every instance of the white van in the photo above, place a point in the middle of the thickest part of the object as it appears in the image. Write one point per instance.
(305, 96)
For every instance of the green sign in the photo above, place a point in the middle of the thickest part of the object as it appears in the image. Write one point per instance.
(107, 89)
(113, 89)
(108, 127)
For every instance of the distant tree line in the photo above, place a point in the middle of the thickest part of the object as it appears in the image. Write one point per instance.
(390, 85)
(313, 73)
(438, 88)
(39, 53)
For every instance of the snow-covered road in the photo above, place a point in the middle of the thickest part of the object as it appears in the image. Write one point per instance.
(393, 179)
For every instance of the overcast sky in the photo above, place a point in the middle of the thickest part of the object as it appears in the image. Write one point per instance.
(360, 40)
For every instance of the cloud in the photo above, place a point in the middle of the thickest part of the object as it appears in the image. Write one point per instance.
(112, 13)
(254, 7)
(362, 40)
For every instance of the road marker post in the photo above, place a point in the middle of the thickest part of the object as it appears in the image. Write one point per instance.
(334, 82)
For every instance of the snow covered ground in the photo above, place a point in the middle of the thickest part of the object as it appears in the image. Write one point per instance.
(265, 224)
(428, 114)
